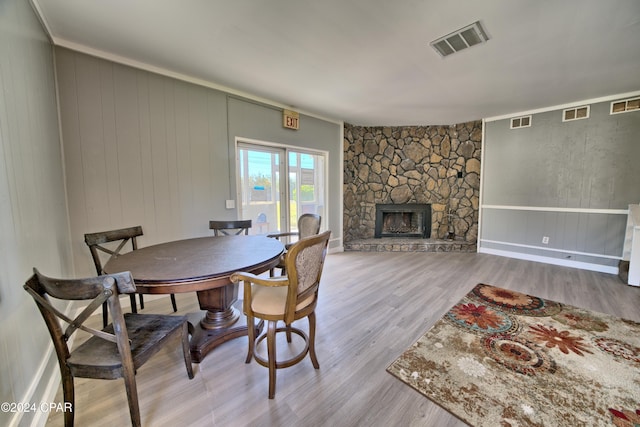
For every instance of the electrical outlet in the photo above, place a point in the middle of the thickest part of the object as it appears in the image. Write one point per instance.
(230, 204)
(545, 240)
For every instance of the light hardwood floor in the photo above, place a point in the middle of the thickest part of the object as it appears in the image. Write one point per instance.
(372, 307)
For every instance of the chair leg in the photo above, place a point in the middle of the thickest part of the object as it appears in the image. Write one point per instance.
(251, 333)
(141, 298)
(68, 397)
(186, 350)
(288, 332)
(132, 396)
(312, 340)
(134, 306)
(173, 303)
(271, 354)
(105, 315)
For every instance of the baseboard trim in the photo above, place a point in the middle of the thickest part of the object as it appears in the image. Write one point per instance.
(548, 260)
(48, 371)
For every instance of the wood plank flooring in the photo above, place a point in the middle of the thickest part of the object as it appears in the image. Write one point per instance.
(373, 305)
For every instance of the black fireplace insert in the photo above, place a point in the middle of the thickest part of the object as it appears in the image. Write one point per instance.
(403, 220)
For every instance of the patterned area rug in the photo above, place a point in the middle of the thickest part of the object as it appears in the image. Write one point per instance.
(503, 358)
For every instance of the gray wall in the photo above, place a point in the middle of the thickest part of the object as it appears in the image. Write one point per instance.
(565, 180)
(145, 149)
(33, 213)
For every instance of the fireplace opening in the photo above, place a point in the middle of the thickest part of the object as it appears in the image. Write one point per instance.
(404, 220)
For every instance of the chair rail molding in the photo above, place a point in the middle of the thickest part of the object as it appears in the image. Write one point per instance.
(559, 255)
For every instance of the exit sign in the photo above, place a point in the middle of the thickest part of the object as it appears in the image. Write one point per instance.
(290, 119)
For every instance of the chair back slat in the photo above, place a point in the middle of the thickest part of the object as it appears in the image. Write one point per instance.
(113, 235)
(96, 242)
(77, 323)
(230, 228)
(98, 289)
(84, 289)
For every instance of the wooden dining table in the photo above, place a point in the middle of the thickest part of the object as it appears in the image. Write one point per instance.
(202, 265)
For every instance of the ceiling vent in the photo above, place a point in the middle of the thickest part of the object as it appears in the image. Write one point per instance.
(461, 39)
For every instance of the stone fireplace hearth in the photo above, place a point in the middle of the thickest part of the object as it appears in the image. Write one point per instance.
(412, 165)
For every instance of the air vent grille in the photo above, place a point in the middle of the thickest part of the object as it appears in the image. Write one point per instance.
(461, 39)
(520, 122)
(577, 113)
(625, 106)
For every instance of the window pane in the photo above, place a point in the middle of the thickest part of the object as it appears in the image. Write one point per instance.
(259, 181)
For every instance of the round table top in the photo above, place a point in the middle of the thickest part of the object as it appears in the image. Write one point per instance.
(196, 264)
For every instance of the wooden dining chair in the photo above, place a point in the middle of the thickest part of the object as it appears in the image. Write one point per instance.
(229, 228)
(285, 299)
(308, 225)
(96, 243)
(116, 351)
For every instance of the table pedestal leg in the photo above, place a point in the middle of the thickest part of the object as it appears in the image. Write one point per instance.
(221, 322)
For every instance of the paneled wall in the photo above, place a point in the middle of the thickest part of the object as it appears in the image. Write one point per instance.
(568, 181)
(140, 149)
(33, 213)
(144, 149)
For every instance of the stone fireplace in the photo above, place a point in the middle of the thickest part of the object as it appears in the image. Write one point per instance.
(438, 166)
(403, 220)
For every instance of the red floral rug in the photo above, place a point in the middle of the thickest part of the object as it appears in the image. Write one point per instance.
(503, 358)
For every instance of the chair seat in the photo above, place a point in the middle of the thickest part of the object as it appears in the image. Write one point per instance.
(271, 301)
(99, 357)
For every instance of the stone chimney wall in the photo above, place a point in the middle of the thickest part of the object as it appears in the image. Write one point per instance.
(413, 164)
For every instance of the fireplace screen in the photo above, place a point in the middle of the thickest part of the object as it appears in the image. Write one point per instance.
(407, 220)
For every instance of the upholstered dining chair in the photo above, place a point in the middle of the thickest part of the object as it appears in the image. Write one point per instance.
(285, 299)
(97, 242)
(116, 351)
(308, 225)
(228, 228)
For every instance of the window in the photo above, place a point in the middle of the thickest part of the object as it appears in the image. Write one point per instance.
(274, 204)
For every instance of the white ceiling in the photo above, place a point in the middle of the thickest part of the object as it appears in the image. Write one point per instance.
(368, 62)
